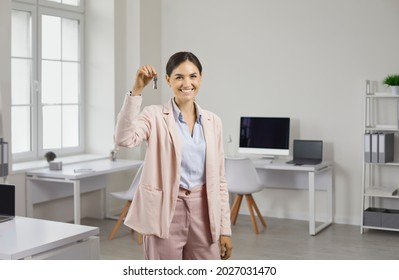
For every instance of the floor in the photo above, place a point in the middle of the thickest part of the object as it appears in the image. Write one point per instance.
(283, 239)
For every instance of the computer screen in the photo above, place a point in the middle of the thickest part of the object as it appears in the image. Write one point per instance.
(7, 199)
(264, 135)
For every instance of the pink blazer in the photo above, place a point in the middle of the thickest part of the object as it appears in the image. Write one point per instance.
(154, 202)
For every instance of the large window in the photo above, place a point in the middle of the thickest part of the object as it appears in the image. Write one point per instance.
(46, 78)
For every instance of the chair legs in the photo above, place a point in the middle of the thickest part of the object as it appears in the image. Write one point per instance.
(139, 238)
(235, 208)
(119, 221)
(251, 206)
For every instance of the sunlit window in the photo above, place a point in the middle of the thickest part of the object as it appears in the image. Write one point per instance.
(67, 2)
(60, 82)
(46, 79)
(21, 81)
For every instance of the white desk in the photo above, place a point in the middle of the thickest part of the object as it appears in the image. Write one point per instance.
(279, 174)
(27, 238)
(45, 184)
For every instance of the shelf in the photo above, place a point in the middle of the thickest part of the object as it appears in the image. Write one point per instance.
(382, 163)
(373, 189)
(390, 128)
(381, 228)
(380, 190)
(382, 196)
(389, 192)
(382, 95)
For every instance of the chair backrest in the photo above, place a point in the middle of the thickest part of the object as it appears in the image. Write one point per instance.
(133, 186)
(241, 176)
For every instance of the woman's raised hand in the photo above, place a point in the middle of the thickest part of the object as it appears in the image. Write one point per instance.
(144, 75)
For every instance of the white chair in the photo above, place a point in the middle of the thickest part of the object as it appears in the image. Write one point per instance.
(242, 179)
(128, 196)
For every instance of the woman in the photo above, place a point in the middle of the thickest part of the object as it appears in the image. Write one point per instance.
(181, 205)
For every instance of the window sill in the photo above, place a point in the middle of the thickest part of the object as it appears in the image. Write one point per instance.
(22, 167)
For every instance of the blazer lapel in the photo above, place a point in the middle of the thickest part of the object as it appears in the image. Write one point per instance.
(171, 124)
(206, 126)
(210, 145)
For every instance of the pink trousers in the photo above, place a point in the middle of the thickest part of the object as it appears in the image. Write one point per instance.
(189, 235)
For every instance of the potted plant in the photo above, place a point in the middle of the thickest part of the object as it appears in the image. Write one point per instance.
(392, 81)
(50, 156)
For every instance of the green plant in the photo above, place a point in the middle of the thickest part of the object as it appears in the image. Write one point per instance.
(391, 80)
(50, 156)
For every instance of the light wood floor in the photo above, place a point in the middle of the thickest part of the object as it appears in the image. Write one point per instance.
(282, 240)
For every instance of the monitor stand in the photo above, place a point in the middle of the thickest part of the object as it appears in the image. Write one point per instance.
(268, 159)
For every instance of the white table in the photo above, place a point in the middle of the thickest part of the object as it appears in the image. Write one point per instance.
(73, 180)
(279, 174)
(28, 238)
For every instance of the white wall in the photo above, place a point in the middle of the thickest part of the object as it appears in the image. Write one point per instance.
(5, 98)
(99, 75)
(304, 59)
(307, 60)
(5, 70)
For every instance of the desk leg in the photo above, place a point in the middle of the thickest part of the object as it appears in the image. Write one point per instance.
(330, 197)
(29, 205)
(312, 216)
(76, 201)
(313, 230)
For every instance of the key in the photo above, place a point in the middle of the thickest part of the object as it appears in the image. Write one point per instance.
(155, 80)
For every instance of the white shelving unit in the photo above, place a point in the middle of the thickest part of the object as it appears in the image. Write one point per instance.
(374, 215)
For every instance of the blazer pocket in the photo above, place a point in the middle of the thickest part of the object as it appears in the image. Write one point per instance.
(150, 188)
(150, 202)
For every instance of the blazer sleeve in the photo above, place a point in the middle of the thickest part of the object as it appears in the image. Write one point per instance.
(132, 126)
(225, 224)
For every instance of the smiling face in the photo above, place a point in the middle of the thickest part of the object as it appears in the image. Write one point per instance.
(185, 81)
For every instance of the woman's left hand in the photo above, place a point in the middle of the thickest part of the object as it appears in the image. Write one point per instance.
(225, 247)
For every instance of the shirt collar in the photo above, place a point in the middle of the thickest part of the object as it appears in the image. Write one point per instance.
(178, 115)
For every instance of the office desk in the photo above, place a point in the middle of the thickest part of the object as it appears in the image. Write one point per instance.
(45, 184)
(279, 174)
(28, 238)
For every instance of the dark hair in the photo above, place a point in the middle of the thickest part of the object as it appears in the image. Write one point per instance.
(180, 57)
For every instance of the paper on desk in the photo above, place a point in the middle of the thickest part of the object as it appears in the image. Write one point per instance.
(83, 170)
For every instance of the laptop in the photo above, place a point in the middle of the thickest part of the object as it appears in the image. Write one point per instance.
(307, 152)
(7, 202)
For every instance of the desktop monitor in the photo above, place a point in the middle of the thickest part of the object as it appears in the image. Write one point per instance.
(267, 136)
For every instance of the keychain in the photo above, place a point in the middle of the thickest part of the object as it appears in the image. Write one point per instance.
(155, 80)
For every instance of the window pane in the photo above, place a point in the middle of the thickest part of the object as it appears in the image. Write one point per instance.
(20, 81)
(51, 127)
(70, 82)
(51, 82)
(70, 126)
(21, 129)
(70, 35)
(21, 35)
(71, 2)
(51, 37)
(55, 112)
(68, 2)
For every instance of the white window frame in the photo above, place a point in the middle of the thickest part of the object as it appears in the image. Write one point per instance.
(52, 4)
(32, 154)
(80, 148)
(36, 8)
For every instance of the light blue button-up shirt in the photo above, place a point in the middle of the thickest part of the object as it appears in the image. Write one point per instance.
(193, 150)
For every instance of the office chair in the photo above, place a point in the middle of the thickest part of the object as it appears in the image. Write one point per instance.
(128, 196)
(242, 179)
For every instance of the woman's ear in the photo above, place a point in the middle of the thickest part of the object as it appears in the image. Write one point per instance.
(167, 78)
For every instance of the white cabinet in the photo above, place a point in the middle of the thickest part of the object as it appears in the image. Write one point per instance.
(380, 198)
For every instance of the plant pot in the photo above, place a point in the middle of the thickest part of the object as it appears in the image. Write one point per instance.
(395, 90)
(55, 165)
